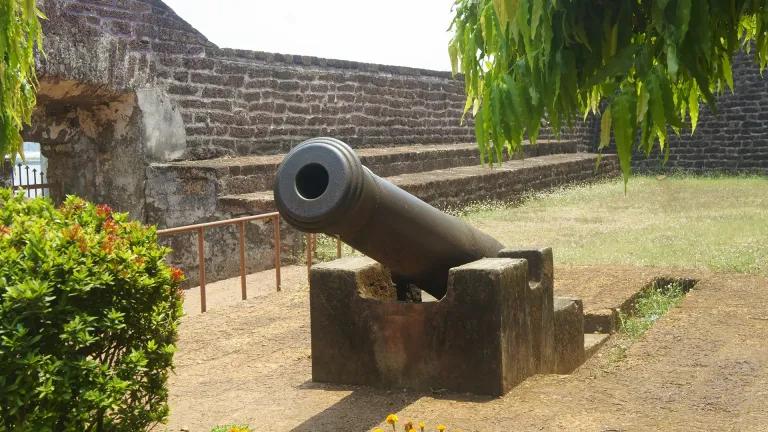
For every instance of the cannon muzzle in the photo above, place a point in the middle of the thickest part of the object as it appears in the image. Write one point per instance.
(321, 186)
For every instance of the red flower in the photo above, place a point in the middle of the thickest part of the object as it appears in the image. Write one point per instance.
(110, 226)
(73, 233)
(103, 211)
(109, 244)
(177, 274)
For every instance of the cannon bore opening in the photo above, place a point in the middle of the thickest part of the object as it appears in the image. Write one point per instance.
(312, 181)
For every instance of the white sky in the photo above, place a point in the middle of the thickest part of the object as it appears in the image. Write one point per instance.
(395, 32)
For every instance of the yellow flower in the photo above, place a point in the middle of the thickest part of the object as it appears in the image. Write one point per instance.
(392, 419)
(421, 426)
(441, 428)
(378, 430)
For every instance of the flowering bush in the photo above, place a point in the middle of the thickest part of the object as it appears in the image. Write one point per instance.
(88, 318)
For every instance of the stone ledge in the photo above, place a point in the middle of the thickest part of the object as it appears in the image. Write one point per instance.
(244, 174)
(458, 186)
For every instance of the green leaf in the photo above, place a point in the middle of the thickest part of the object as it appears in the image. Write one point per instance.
(644, 97)
(454, 56)
(538, 7)
(667, 96)
(616, 65)
(605, 129)
(624, 130)
(673, 63)
(693, 107)
(682, 18)
(727, 71)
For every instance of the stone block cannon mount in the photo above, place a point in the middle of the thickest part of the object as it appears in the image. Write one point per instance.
(493, 325)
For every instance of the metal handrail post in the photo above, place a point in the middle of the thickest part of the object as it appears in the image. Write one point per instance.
(243, 288)
(278, 259)
(201, 260)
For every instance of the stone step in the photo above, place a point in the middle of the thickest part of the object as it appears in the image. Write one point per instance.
(457, 186)
(245, 174)
(593, 342)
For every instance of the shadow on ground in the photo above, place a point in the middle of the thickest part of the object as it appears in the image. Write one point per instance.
(358, 412)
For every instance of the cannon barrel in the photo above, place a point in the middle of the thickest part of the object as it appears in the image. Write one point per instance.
(322, 187)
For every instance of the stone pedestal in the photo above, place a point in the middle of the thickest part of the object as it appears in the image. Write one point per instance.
(540, 304)
(476, 339)
(569, 334)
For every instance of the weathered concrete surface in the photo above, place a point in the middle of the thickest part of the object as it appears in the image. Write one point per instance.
(569, 334)
(163, 133)
(593, 342)
(700, 368)
(93, 141)
(476, 339)
(540, 305)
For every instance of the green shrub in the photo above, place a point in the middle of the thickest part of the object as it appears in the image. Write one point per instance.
(88, 318)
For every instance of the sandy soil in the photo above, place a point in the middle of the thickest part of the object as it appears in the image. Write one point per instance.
(703, 366)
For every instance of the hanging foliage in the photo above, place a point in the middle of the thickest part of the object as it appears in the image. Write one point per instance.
(647, 64)
(20, 36)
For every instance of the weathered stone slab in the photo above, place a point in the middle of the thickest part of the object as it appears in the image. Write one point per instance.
(476, 339)
(540, 304)
(569, 334)
(593, 342)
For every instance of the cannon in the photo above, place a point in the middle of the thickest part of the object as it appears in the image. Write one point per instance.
(322, 187)
(494, 324)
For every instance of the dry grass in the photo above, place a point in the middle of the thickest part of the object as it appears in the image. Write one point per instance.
(717, 222)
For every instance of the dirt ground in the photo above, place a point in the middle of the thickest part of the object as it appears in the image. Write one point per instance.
(703, 366)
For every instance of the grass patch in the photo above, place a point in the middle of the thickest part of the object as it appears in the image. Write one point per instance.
(652, 304)
(714, 222)
(325, 249)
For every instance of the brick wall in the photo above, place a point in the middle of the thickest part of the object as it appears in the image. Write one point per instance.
(256, 103)
(735, 139)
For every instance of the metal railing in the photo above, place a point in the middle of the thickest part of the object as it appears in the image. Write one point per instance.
(22, 177)
(312, 250)
(240, 222)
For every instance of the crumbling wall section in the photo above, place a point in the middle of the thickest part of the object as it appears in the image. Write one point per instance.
(92, 139)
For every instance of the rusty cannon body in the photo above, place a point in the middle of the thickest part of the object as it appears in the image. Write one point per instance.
(322, 187)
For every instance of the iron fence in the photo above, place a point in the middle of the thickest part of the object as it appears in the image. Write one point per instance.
(30, 179)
